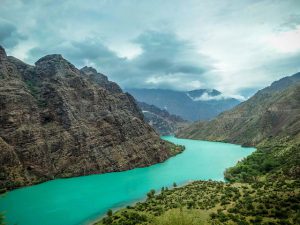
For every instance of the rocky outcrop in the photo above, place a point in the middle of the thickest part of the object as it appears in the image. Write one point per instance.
(58, 121)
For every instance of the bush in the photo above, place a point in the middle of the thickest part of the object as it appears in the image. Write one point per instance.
(109, 212)
(1, 219)
(151, 193)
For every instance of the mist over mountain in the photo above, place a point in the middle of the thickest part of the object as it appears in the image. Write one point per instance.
(272, 112)
(201, 104)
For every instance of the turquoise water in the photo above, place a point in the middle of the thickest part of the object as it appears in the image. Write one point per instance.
(80, 200)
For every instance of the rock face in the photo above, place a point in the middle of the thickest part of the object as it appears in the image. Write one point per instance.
(58, 121)
(202, 104)
(161, 120)
(272, 112)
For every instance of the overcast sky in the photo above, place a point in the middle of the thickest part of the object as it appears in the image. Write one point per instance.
(236, 47)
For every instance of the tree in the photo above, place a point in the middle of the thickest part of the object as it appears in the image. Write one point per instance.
(151, 193)
(1, 219)
(109, 213)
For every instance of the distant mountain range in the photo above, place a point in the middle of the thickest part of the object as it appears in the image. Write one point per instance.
(161, 120)
(272, 112)
(202, 104)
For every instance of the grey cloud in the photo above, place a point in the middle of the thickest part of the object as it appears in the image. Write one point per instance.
(164, 54)
(291, 23)
(79, 52)
(170, 35)
(284, 66)
(9, 35)
(164, 57)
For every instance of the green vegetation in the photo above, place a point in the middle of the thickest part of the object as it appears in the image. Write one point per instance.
(211, 202)
(175, 149)
(263, 189)
(1, 219)
(176, 217)
(3, 191)
(109, 213)
(35, 91)
(274, 159)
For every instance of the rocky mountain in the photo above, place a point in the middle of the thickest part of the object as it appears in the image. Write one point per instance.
(161, 120)
(272, 112)
(202, 104)
(59, 121)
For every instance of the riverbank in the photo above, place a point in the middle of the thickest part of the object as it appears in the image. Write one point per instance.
(132, 204)
(264, 188)
(74, 200)
(218, 203)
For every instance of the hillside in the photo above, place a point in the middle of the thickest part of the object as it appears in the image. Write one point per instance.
(263, 188)
(161, 120)
(58, 121)
(202, 104)
(215, 203)
(270, 120)
(272, 112)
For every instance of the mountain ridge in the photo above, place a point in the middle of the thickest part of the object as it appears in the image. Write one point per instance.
(59, 121)
(264, 115)
(201, 104)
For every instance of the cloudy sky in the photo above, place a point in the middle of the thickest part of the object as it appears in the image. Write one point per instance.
(235, 46)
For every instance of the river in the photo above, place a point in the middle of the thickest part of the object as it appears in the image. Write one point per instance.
(80, 200)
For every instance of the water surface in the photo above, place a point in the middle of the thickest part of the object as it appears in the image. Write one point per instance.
(82, 199)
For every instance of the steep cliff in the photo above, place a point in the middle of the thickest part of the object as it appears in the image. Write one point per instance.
(58, 121)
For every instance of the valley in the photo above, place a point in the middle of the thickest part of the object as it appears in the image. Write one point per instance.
(149, 112)
(53, 118)
(263, 188)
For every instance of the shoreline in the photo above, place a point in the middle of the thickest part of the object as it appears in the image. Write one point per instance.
(98, 215)
(137, 201)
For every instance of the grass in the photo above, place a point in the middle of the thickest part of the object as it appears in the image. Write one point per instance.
(179, 217)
